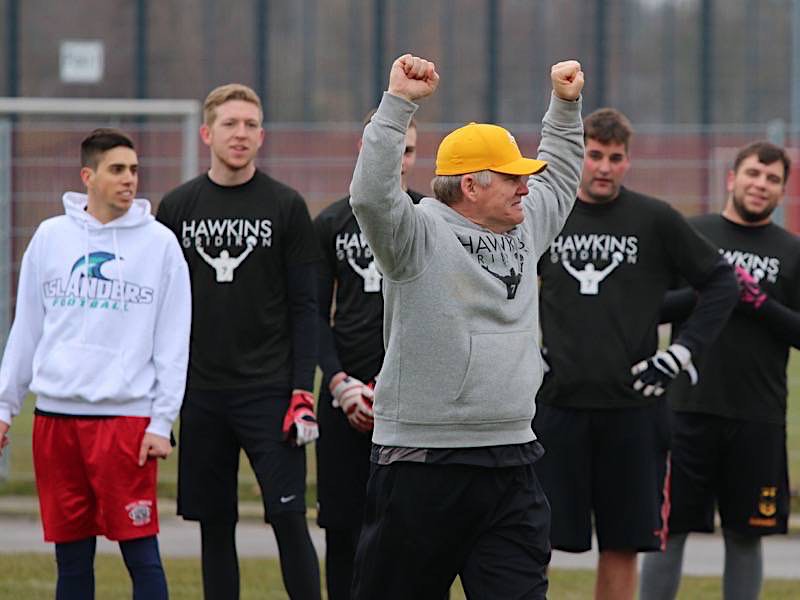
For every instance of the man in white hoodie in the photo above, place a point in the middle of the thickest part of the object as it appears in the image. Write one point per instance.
(101, 337)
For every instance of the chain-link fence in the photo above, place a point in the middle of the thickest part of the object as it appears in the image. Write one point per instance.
(685, 166)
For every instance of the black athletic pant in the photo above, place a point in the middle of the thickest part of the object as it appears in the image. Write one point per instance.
(340, 550)
(425, 524)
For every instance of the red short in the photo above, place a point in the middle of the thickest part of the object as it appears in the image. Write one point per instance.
(89, 479)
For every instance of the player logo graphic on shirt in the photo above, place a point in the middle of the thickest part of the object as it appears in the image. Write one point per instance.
(589, 277)
(761, 268)
(511, 280)
(370, 274)
(224, 265)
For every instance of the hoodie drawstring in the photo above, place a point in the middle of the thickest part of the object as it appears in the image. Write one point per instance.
(85, 291)
(119, 270)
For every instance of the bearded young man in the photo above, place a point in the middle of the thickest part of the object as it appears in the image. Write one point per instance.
(729, 432)
(602, 414)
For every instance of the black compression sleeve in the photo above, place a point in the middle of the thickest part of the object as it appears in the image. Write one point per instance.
(299, 563)
(328, 357)
(302, 294)
(715, 302)
(219, 560)
(781, 320)
(677, 305)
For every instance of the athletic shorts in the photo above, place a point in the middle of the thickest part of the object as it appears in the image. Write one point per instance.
(89, 479)
(424, 524)
(738, 465)
(611, 464)
(342, 467)
(215, 427)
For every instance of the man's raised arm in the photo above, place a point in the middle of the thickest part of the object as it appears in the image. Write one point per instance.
(552, 192)
(382, 208)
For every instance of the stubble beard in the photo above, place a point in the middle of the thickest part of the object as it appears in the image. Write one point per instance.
(748, 215)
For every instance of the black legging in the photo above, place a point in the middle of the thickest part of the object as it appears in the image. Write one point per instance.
(340, 550)
(299, 565)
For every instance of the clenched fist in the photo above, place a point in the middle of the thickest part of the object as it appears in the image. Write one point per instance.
(412, 77)
(567, 79)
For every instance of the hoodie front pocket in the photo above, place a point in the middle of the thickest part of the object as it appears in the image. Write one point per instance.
(502, 377)
(87, 371)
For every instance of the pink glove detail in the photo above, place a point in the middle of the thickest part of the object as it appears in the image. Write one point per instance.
(355, 399)
(750, 292)
(300, 424)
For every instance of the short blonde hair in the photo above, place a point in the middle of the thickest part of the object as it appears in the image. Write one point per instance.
(226, 93)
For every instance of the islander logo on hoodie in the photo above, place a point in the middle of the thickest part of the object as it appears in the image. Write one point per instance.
(89, 283)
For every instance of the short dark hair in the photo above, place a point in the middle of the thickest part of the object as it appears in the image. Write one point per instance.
(607, 125)
(99, 142)
(767, 153)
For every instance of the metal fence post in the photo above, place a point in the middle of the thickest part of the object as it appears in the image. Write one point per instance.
(5, 253)
(777, 134)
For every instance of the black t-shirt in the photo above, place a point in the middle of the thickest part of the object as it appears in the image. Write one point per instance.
(239, 242)
(743, 374)
(349, 266)
(603, 282)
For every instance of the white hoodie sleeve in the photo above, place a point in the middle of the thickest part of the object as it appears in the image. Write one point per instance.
(171, 343)
(16, 371)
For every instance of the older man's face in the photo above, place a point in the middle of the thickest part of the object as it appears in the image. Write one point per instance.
(500, 203)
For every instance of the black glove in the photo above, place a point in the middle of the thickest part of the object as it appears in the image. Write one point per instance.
(655, 374)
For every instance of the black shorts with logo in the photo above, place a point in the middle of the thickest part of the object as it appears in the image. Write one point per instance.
(610, 463)
(342, 467)
(426, 523)
(215, 426)
(739, 466)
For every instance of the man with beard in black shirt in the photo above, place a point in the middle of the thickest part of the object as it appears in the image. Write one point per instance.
(729, 432)
(351, 354)
(249, 243)
(604, 424)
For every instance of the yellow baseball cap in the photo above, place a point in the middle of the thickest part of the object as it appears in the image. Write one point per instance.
(481, 146)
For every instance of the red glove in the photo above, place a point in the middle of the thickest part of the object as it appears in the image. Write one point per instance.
(300, 424)
(750, 293)
(355, 399)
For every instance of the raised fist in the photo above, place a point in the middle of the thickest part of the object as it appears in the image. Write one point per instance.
(567, 79)
(412, 77)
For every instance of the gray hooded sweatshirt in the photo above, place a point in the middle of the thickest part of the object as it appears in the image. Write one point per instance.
(461, 323)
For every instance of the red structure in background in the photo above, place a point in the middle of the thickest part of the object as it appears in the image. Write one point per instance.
(685, 169)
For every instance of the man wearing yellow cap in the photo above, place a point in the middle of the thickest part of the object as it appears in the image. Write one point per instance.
(453, 489)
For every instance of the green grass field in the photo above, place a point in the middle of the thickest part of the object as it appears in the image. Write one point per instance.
(21, 480)
(32, 576)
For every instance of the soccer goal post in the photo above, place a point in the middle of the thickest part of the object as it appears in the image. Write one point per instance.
(31, 177)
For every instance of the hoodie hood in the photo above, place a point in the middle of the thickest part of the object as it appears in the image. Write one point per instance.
(454, 217)
(88, 336)
(138, 214)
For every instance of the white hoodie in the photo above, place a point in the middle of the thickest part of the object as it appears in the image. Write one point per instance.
(102, 320)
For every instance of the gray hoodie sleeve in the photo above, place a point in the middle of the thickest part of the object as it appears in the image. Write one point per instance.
(551, 193)
(399, 235)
